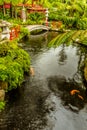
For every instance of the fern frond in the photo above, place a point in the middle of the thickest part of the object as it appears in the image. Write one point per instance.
(77, 7)
(69, 40)
(64, 38)
(76, 35)
(81, 36)
(51, 44)
(85, 34)
(70, 37)
(61, 39)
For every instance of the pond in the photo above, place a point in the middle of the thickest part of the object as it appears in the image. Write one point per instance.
(45, 100)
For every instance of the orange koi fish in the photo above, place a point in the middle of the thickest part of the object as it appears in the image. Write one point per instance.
(80, 97)
(72, 92)
(32, 71)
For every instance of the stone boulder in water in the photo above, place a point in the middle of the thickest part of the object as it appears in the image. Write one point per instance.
(2, 95)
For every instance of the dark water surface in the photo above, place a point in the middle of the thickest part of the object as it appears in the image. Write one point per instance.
(44, 101)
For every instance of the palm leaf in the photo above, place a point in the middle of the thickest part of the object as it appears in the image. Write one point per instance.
(51, 44)
(69, 40)
(70, 37)
(76, 35)
(62, 38)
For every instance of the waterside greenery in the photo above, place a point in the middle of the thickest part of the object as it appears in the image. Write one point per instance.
(73, 36)
(2, 105)
(14, 62)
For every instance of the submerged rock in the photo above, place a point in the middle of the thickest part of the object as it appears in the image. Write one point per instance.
(3, 85)
(2, 95)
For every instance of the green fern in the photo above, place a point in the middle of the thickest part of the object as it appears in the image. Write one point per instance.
(76, 35)
(51, 44)
(69, 40)
(70, 37)
(62, 38)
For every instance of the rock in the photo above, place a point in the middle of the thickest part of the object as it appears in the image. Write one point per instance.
(73, 108)
(32, 71)
(2, 95)
(3, 85)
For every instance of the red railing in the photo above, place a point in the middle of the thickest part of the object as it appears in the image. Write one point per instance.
(7, 5)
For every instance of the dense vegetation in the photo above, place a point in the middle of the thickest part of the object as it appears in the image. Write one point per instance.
(71, 13)
(14, 61)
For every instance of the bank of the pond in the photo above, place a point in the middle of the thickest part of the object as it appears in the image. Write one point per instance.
(14, 63)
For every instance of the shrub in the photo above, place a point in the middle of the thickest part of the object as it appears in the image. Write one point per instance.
(36, 16)
(82, 23)
(13, 65)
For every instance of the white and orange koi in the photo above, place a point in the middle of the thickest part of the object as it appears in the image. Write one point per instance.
(80, 97)
(72, 92)
(32, 71)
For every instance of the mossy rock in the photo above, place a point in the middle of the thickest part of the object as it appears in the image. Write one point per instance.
(3, 85)
(2, 95)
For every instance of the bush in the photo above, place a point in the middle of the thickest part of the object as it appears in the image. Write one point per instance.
(36, 16)
(5, 47)
(82, 23)
(13, 65)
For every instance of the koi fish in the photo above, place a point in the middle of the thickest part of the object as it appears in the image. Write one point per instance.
(72, 92)
(32, 71)
(80, 97)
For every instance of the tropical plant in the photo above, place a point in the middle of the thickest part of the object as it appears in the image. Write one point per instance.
(36, 16)
(70, 37)
(13, 64)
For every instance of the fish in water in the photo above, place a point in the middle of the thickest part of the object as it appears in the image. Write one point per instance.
(72, 92)
(80, 97)
(32, 71)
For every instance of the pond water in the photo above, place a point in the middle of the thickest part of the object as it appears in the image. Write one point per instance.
(45, 102)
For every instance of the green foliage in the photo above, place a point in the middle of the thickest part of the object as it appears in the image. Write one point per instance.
(60, 39)
(23, 32)
(69, 37)
(82, 23)
(5, 47)
(71, 13)
(36, 16)
(2, 105)
(13, 65)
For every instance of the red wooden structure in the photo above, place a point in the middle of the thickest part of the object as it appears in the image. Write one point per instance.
(7, 5)
(34, 7)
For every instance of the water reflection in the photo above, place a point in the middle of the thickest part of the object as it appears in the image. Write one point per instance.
(45, 100)
(27, 108)
(62, 88)
(62, 55)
